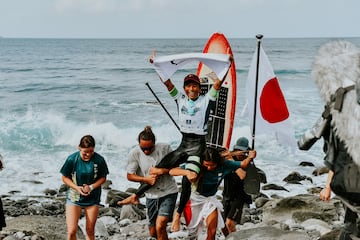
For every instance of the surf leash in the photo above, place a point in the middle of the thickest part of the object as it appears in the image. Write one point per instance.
(162, 105)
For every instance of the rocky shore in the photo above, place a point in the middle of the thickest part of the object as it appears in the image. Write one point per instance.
(269, 217)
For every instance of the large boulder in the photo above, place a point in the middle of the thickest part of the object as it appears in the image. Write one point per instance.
(300, 208)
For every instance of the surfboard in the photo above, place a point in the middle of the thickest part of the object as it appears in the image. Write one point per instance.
(221, 118)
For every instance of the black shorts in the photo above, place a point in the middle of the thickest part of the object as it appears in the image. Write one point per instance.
(233, 209)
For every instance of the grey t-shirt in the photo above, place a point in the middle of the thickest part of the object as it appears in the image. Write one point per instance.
(140, 164)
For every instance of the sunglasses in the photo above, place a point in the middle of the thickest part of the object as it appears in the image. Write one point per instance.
(147, 148)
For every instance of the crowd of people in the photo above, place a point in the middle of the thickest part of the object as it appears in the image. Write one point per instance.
(153, 165)
(202, 168)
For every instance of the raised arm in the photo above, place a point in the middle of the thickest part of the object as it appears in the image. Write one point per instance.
(217, 81)
(169, 85)
(246, 161)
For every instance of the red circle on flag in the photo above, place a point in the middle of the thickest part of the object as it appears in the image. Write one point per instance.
(272, 102)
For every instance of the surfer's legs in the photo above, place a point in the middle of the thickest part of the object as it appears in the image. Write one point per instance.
(133, 199)
(193, 164)
(173, 159)
(185, 194)
(91, 213)
(184, 197)
(73, 213)
(194, 147)
(142, 189)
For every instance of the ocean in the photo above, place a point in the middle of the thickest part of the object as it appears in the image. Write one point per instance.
(54, 91)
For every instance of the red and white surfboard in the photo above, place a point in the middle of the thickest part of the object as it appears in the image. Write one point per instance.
(221, 120)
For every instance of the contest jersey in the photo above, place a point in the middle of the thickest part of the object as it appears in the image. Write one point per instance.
(194, 115)
(84, 172)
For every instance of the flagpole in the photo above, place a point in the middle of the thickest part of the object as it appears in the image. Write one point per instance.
(259, 37)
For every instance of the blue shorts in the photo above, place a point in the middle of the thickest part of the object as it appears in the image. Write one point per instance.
(163, 206)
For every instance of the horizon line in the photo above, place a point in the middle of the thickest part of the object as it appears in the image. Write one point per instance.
(155, 38)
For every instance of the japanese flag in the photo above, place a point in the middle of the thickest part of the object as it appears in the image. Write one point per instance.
(272, 115)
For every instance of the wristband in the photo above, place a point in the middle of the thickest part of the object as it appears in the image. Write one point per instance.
(173, 92)
(91, 187)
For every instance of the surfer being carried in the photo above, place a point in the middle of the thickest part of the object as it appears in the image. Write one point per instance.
(193, 110)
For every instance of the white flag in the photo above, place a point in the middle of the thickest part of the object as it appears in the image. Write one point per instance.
(272, 115)
(166, 66)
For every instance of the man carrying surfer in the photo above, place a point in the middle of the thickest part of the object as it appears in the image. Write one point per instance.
(161, 199)
(193, 110)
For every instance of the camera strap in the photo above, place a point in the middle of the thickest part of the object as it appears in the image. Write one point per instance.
(338, 97)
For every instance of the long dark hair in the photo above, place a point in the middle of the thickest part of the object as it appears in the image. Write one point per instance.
(212, 155)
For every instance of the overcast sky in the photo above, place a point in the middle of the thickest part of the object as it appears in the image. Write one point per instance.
(178, 18)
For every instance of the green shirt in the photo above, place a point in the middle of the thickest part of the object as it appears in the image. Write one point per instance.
(84, 172)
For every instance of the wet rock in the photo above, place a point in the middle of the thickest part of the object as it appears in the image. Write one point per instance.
(267, 232)
(320, 171)
(272, 186)
(298, 217)
(132, 212)
(296, 177)
(260, 201)
(306, 164)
